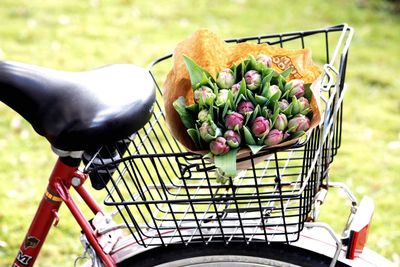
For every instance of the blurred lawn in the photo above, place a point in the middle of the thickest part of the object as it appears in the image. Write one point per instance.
(77, 35)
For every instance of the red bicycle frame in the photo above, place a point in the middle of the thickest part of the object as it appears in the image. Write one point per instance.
(61, 179)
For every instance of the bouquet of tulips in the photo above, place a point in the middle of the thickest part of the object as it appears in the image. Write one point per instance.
(249, 105)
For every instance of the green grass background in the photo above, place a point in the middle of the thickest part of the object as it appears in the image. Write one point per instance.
(78, 35)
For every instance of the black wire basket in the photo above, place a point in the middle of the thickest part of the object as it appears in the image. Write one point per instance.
(165, 195)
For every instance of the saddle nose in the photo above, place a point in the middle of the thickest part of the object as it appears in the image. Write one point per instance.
(77, 111)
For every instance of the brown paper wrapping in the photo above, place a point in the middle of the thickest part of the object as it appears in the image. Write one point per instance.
(213, 54)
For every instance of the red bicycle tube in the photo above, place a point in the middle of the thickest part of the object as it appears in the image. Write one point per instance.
(43, 219)
(56, 193)
(89, 200)
(84, 224)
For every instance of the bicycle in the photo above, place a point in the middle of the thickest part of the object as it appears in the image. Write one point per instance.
(169, 208)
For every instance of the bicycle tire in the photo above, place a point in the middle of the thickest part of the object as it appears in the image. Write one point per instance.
(232, 255)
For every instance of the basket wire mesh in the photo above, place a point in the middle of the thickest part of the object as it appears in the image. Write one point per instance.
(165, 195)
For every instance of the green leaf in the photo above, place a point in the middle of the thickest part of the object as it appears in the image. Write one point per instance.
(243, 87)
(213, 86)
(287, 87)
(220, 178)
(275, 97)
(267, 75)
(281, 82)
(247, 117)
(256, 113)
(231, 100)
(250, 96)
(194, 134)
(275, 106)
(213, 112)
(275, 75)
(226, 108)
(238, 72)
(261, 140)
(286, 94)
(180, 107)
(197, 74)
(295, 106)
(234, 70)
(253, 64)
(288, 111)
(275, 115)
(306, 111)
(290, 130)
(193, 108)
(286, 72)
(209, 155)
(210, 101)
(242, 69)
(247, 66)
(238, 98)
(202, 104)
(307, 91)
(218, 131)
(297, 135)
(248, 137)
(261, 68)
(265, 89)
(255, 148)
(241, 94)
(218, 116)
(265, 112)
(261, 100)
(227, 163)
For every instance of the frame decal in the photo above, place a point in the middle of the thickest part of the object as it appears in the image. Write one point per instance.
(52, 197)
(23, 259)
(31, 242)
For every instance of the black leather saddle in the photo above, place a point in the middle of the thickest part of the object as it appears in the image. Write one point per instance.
(79, 110)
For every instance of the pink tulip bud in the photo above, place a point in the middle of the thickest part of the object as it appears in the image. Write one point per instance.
(297, 88)
(274, 137)
(264, 59)
(253, 79)
(244, 107)
(235, 88)
(283, 104)
(260, 127)
(281, 122)
(273, 89)
(219, 146)
(209, 131)
(233, 138)
(286, 135)
(205, 93)
(225, 79)
(234, 121)
(222, 97)
(299, 123)
(304, 104)
(203, 115)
